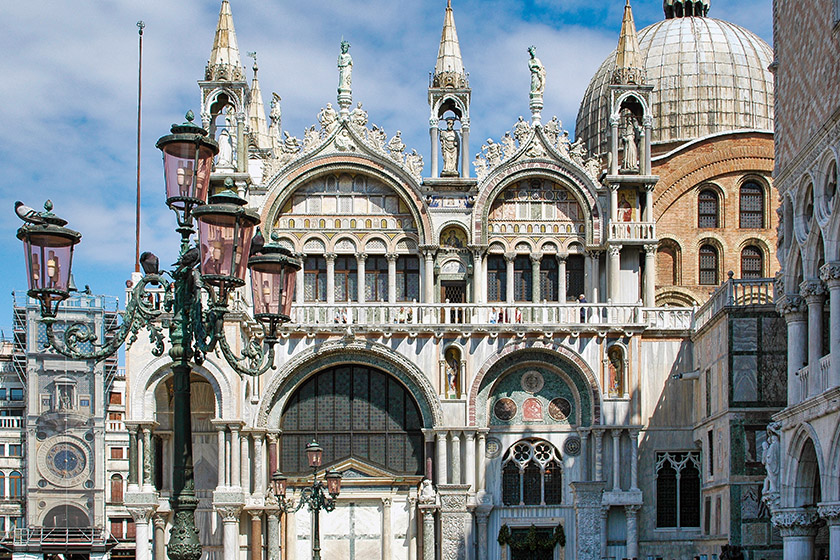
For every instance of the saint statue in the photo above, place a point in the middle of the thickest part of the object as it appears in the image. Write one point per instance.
(275, 114)
(225, 158)
(628, 141)
(771, 457)
(537, 72)
(345, 68)
(449, 147)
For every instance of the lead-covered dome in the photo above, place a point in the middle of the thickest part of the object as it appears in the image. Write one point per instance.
(709, 76)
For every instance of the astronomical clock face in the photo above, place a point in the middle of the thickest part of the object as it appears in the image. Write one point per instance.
(66, 460)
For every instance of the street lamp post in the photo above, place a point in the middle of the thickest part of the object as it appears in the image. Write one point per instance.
(312, 496)
(196, 297)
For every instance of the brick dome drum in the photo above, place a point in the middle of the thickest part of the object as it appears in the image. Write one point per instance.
(708, 76)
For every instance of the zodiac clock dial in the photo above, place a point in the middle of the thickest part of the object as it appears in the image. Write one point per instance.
(66, 460)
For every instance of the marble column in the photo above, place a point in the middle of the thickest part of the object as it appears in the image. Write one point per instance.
(361, 258)
(290, 526)
(148, 483)
(272, 454)
(141, 516)
(648, 124)
(455, 458)
(481, 522)
(830, 512)
(479, 279)
(299, 281)
(830, 274)
(614, 147)
(392, 277)
(509, 259)
(245, 464)
(465, 148)
(442, 464)
(429, 275)
(596, 277)
(222, 462)
(793, 308)
(235, 460)
(614, 273)
(614, 203)
(330, 258)
(616, 471)
(561, 278)
(650, 276)
(634, 461)
(273, 527)
(160, 536)
(428, 533)
(133, 460)
(798, 527)
(599, 473)
(230, 531)
(482, 459)
(584, 454)
(434, 133)
(647, 209)
(632, 514)
(411, 532)
(387, 536)
(256, 535)
(535, 276)
(814, 293)
(470, 460)
(260, 477)
(602, 530)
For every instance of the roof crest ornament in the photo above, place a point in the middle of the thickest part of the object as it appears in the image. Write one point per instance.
(224, 64)
(629, 63)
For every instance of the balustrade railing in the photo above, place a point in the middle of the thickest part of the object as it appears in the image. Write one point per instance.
(11, 421)
(413, 316)
(736, 293)
(632, 231)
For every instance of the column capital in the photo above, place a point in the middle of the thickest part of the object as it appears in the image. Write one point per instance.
(812, 290)
(615, 250)
(510, 257)
(387, 501)
(632, 509)
(271, 437)
(159, 519)
(649, 187)
(361, 257)
(391, 257)
(584, 432)
(535, 258)
(797, 522)
(229, 512)
(256, 514)
(594, 253)
(634, 433)
(650, 249)
(792, 307)
(830, 274)
(141, 514)
(616, 433)
(330, 257)
(830, 512)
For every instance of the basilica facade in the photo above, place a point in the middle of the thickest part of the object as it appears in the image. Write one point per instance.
(489, 349)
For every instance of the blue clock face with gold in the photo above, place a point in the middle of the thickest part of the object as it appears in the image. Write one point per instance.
(66, 460)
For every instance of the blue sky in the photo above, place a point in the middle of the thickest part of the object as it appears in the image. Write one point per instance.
(69, 92)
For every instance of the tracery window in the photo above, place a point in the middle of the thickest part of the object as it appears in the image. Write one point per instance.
(522, 279)
(353, 411)
(708, 209)
(346, 278)
(549, 286)
(315, 279)
(532, 474)
(536, 206)
(376, 278)
(678, 489)
(708, 265)
(408, 278)
(752, 262)
(752, 206)
(496, 278)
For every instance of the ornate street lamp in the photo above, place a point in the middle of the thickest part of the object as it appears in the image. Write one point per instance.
(203, 273)
(313, 496)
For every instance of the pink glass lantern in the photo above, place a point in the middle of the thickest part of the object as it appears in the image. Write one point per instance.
(314, 454)
(187, 163)
(273, 273)
(333, 483)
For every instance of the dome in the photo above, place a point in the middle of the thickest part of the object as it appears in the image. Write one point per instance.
(708, 76)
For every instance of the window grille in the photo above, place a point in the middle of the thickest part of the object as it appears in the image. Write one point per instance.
(574, 276)
(496, 278)
(408, 278)
(708, 265)
(678, 489)
(548, 278)
(346, 278)
(522, 280)
(376, 278)
(532, 474)
(708, 209)
(315, 279)
(752, 262)
(752, 206)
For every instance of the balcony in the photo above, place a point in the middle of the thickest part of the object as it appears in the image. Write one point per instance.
(736, 293)
(812, 385)
(11, 421)
(632, 232)
(413, 318)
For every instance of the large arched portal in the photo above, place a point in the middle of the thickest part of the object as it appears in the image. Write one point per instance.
(66, 515)
(353, 411)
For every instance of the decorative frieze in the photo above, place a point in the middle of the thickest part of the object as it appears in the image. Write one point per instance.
(797, 522)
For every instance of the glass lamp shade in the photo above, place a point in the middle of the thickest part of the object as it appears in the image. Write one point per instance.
(273, 274)
(187, 163)
(48, 250)
(278, 484)
(314, 454)
(225, 229)
(334, 483)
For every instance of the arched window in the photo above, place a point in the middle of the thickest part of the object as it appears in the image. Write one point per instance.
(15, 484)
(708, 265)
(116, 489)
(408, 278)
(575, 274)
(708, 209)
(346, 278)
(752, 262)
(752, 206)
(315, 279)
(531, 474)
(353, 411)
(496, 278)
(522, 290)
(376, 278)
(548, 278)
(677, 489)
(2, 485)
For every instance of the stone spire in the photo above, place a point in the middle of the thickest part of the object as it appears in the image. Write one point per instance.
(256, 111)
(629, 64)
(685, 8)
(224, 64)
(449, 68)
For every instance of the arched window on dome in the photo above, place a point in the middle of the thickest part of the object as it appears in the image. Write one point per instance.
(752, 206)
(752, 262)
(708, 209)
(532, 474)
(708, 268)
